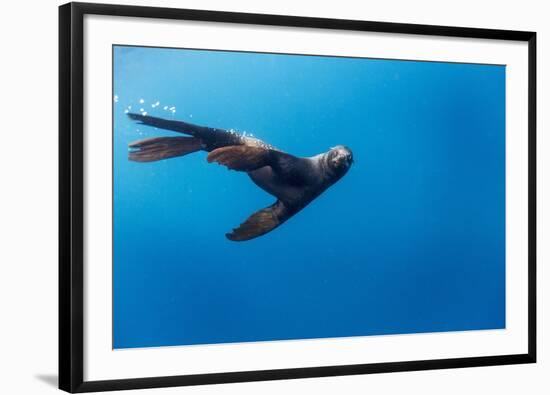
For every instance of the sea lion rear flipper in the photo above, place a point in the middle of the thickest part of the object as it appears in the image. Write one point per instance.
(211, 137)
(153, 149)
(241, 157)
(168, 124)
(261, 222)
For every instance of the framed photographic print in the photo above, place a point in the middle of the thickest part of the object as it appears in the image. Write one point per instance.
(378, 215)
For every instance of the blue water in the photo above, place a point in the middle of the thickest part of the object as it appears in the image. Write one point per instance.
(411, 240)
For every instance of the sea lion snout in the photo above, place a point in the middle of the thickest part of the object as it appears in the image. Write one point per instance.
(340, 157)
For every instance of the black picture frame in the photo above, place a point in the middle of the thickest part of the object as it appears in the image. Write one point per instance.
(71, 195)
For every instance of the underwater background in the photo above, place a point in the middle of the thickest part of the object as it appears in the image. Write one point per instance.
(411, 240)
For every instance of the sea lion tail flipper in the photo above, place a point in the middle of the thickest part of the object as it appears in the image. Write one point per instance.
(241, 157)
(158, 148)
(261, 222)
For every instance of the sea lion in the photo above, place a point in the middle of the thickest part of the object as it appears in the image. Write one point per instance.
(294, 181)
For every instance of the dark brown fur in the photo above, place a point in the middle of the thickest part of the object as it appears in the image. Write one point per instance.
(294, 181)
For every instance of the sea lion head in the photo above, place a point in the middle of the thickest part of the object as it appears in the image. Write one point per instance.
(339, 159)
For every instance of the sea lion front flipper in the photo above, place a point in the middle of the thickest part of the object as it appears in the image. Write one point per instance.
(261, 222)
(241, 157)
